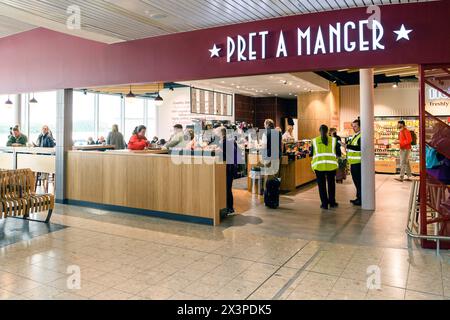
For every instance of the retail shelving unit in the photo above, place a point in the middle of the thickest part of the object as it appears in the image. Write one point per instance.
(387, 147)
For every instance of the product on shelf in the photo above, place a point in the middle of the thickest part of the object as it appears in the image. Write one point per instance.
(387, 148)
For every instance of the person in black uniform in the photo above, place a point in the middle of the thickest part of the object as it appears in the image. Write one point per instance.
(229, 151)
(354, 158)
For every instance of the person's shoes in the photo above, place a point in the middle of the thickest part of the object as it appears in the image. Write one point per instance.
(334, 205)
(399, 179)
(357, 203)
(230, 211)
(353, 201)
(324, 207)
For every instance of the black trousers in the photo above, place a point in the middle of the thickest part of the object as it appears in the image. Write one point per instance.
(324, 177)
(356, 176)
(231, 173)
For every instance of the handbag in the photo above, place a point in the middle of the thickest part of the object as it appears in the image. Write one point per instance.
(431, 157)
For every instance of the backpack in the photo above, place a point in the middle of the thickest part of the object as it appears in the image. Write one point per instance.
(413, 138)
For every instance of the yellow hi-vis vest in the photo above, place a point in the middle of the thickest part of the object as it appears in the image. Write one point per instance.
(354, 157)
(324, 156)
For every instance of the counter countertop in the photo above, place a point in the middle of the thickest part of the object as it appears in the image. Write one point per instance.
(30, 150)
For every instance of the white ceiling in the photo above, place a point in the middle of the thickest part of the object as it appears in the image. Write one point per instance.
(276, 85)
(112, 21)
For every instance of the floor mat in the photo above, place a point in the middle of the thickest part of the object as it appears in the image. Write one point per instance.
(15, 230)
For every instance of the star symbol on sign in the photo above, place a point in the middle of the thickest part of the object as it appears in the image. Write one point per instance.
(402, 33)
(215, 51)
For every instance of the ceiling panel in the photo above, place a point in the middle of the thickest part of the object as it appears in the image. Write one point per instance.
(276, 85)
(9, 26)
(122, 20)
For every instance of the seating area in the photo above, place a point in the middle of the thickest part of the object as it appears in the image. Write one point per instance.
(18, 197)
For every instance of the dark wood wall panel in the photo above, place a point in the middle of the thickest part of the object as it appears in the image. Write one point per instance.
(244, 108)
(256, 110)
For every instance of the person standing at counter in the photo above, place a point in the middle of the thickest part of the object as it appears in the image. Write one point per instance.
(354, 158)
(177, 139)
(17, 139)
(229, 150)
(271, 147)
(288, 135)
(115, 138)
(45, 139)
(325, 151)
(138, 141)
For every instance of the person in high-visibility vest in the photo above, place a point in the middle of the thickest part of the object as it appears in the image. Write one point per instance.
(325, 151)
(354, 159)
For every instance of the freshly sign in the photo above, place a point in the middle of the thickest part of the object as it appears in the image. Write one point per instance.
(351, 36)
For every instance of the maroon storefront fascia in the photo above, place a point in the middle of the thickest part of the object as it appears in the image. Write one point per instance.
(414, 33)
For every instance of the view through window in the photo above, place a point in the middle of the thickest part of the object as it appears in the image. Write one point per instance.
(6, 119)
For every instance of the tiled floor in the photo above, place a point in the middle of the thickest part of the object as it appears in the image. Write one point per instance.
(296, 252)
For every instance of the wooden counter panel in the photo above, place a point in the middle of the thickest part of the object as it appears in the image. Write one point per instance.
(303, 171)
(85, 177)
(6, 161)
(36, 162)
(293, 174)
(151, 183)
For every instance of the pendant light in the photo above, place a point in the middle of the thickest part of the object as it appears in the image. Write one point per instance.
(159, 100)
(131, 94)
(33, 100)
(8, 102)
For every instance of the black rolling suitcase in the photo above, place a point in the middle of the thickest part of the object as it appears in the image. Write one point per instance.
(272, 193)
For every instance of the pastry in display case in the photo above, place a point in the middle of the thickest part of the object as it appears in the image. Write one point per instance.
(297, 150)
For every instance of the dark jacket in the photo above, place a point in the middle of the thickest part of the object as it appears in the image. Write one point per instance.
(45, 141)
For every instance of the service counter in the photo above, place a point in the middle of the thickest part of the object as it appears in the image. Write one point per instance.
(187, 188)
(37, 159)
(293, 173)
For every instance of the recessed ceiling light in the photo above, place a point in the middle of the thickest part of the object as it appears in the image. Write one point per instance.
(158, 16)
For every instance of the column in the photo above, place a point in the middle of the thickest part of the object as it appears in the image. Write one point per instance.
(18, 110)
(367, 139)
(64, 143)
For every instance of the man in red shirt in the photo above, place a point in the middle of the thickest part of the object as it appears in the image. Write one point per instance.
(405, 139)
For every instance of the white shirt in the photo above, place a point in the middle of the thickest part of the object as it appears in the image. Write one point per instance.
(287, 136)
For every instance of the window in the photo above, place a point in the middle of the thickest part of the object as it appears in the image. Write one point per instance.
(134, 115)
(83, 117)
(6, 119)
(41, 113)
(152, 114)
(110, 112)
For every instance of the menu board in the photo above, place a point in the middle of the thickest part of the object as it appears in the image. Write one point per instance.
(210, 102)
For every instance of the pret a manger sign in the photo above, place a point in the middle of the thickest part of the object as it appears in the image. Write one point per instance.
(350, 36)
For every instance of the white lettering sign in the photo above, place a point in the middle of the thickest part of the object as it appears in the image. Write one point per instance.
(350, 36)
